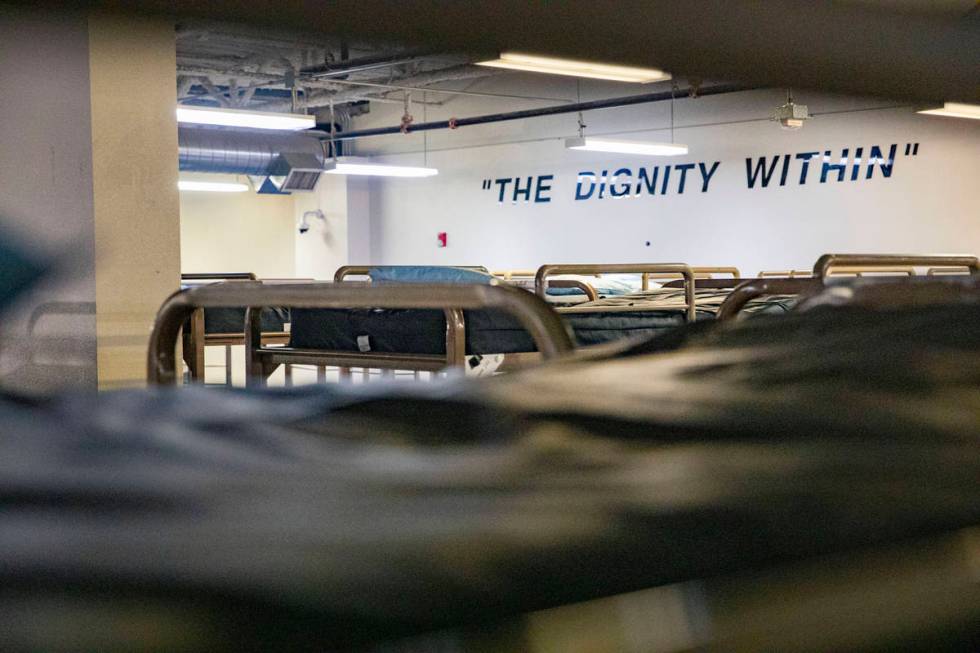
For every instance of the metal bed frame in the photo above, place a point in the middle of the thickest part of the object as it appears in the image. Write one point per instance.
(545, 326)
(851, 263)
(700, 274)
(791, 274)
(195, 339)
(553, 269)
(508, 276)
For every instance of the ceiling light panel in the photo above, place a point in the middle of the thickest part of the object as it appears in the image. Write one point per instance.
(552, 66)
(248, 119)
(211, 186)
(376, 169)
(590, 144)
(955, 110)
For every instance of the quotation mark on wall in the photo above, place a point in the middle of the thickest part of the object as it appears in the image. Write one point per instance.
(486, 184)
(911, 149)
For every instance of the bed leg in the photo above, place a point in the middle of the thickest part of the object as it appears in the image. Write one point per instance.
(193, 341)
(288, 374)
(228, 365)
(257, 369)
(344, 374)
(455, 338)
(321, 374)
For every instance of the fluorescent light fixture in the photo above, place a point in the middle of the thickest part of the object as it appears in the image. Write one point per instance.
(376, 169)
(552, 66)
(212, 186)
(240, 118)
(590, 144)
(955, 110)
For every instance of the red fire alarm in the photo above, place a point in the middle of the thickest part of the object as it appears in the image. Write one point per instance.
(441, 237)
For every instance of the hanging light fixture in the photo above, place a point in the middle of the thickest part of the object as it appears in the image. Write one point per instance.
(211, 186)
(356, 166)
(954, 110)
(349, 165)
(618, 146)
(590, 144)
(240, 118)
(554, 66)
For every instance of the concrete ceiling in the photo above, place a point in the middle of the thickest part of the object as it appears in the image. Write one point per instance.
(924, 50)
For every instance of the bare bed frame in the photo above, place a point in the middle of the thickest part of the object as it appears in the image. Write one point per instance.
(826, 265)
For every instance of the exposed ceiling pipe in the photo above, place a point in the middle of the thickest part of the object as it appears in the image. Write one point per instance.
(345, 67)
(645, 98)
(322, 98)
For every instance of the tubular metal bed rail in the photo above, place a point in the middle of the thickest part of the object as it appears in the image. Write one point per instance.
(755, 288)
(553, 269)
(508, 275)
(782, 274)
(861, 270)
(944, 270)
(700, 273)
(826, 264)
(725, 269)
(58, 308)
(516, 276)
(545, 326)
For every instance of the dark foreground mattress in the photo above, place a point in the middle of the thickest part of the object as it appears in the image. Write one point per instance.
(759, 496)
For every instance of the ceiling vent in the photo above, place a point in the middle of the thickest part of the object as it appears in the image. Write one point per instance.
(292, 172)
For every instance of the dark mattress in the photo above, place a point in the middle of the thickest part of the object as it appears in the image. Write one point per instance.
(487, 332)
(492, 332)
(336, 518)
(232, 320)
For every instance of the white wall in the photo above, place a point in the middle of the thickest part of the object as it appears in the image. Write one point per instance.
(248, 232)
(236, 232)
(929, 204)
(324, 248)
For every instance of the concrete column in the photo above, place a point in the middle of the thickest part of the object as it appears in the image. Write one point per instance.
(132, 68)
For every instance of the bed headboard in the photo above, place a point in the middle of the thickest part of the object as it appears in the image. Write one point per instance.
(553, 269)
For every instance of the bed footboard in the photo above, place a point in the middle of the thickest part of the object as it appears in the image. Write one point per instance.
(553, 269)
(849, 263)
(545, 326)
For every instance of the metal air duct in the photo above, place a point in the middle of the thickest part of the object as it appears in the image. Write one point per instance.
(246, 152)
